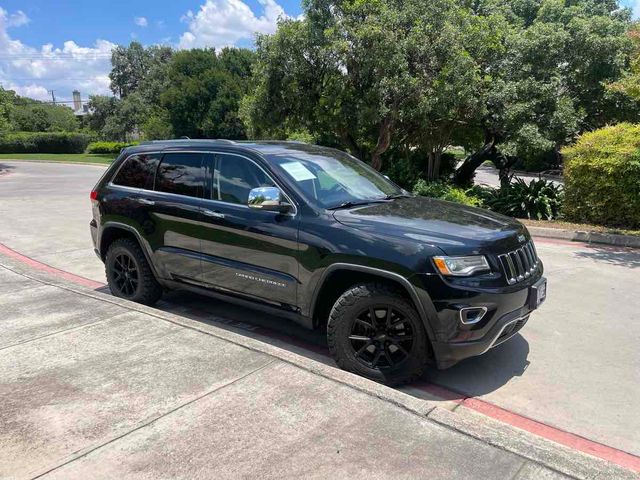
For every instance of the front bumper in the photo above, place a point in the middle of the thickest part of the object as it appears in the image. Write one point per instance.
(507, 311)
(448, 354)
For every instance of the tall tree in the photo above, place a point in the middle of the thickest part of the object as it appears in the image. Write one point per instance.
(205, 91)
(136, 68)
(549, 85)
(371, 74)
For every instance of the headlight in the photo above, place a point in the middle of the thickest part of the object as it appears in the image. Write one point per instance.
(461, 266)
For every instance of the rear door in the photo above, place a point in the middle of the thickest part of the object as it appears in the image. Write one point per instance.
(250, 252)
(172, 222)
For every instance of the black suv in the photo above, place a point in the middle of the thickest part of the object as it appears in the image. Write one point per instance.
(315, 235)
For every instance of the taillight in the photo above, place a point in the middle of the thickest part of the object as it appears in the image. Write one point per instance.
(93, 195)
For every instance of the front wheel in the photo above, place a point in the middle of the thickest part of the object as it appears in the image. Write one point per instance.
(129, 274)
(375, 332)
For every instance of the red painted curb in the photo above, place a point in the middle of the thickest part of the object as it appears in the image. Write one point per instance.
(43, 267)
(562, 437)
(568, 439)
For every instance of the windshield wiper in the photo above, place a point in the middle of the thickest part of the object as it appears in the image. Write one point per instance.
(356, 204)
(397, 195)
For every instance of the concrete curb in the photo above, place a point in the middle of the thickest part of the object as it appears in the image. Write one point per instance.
(586, 237)
(536, 449)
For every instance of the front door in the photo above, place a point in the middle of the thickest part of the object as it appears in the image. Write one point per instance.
(248, 252)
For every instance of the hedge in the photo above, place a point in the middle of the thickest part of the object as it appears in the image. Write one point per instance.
(44, 142)
(602, 177)
(108, 147)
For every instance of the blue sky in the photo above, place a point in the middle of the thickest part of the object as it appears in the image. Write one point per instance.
(64, 45)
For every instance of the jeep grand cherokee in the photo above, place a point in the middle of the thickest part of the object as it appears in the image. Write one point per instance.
(319, 237)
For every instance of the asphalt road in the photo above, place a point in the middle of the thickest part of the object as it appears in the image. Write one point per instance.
(488, 175)
(575, 366)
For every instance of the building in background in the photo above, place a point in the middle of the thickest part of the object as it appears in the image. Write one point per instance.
(78, 108)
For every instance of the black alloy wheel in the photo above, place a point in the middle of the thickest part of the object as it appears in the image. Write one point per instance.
(381, 337)
(129, 274)
(125, 275)
(375, 331)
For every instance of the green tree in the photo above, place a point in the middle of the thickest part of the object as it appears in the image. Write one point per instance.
(102, 108)
(35, 116)
(205, 92)
(548, 86)
(6, 107)
(367, 75)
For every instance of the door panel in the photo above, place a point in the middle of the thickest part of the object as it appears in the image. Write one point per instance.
(246, 251)
(173, 223)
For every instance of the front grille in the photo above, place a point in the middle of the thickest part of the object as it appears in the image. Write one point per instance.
(519, 264)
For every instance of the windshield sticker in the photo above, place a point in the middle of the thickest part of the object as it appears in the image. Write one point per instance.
(298, 171)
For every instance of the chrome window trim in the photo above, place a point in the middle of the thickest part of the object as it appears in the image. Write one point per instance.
(213, 152)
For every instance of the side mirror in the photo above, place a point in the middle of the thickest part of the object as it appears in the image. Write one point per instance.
(269, 199)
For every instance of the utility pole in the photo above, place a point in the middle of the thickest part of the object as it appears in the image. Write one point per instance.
(53, 96)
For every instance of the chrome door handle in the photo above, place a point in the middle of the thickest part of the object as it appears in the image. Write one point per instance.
(144, 201)
(211, 213)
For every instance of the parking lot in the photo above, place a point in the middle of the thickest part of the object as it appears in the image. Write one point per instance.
(574, 367)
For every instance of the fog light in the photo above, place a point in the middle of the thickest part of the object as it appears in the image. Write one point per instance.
(472, 315)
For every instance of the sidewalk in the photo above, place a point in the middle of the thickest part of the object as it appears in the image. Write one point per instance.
(95, 387)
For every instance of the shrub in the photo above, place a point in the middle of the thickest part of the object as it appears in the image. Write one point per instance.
(108, 147)
(48, 142)
(538, 199)
(446, 191)
(602, 177)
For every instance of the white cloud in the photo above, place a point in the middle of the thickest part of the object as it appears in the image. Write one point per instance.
(17, 19)
(32, 71)
(141, 21)
(221, 23)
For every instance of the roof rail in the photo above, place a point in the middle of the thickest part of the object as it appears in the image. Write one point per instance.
(185, 139)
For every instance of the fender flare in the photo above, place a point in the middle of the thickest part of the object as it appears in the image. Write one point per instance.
(110, 225)
(423, 305)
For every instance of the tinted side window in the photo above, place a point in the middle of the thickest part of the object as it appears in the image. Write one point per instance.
(235, 177)
(181, 173)
(138, 171)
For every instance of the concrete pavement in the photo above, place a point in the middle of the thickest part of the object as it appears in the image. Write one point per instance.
(133, 392)
(575, 366)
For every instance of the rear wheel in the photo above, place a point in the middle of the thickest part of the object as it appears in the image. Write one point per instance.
(375, 332)
(129, 274)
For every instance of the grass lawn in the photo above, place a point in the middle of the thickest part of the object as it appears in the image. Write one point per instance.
(60, 157)
(579, 226)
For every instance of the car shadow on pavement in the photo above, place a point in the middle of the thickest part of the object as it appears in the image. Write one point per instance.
(486, 373)
(472, 377)
(623, 257)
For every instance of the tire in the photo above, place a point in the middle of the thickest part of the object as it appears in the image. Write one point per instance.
(395, 353)
(129, 274)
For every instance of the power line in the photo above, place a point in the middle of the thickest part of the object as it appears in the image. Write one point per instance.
(55, 56)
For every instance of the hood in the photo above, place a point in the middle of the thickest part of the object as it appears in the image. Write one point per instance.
(456, 229)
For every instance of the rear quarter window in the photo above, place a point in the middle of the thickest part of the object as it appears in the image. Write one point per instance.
(138, 171)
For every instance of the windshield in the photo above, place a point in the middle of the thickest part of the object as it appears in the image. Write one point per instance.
(332, 178)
